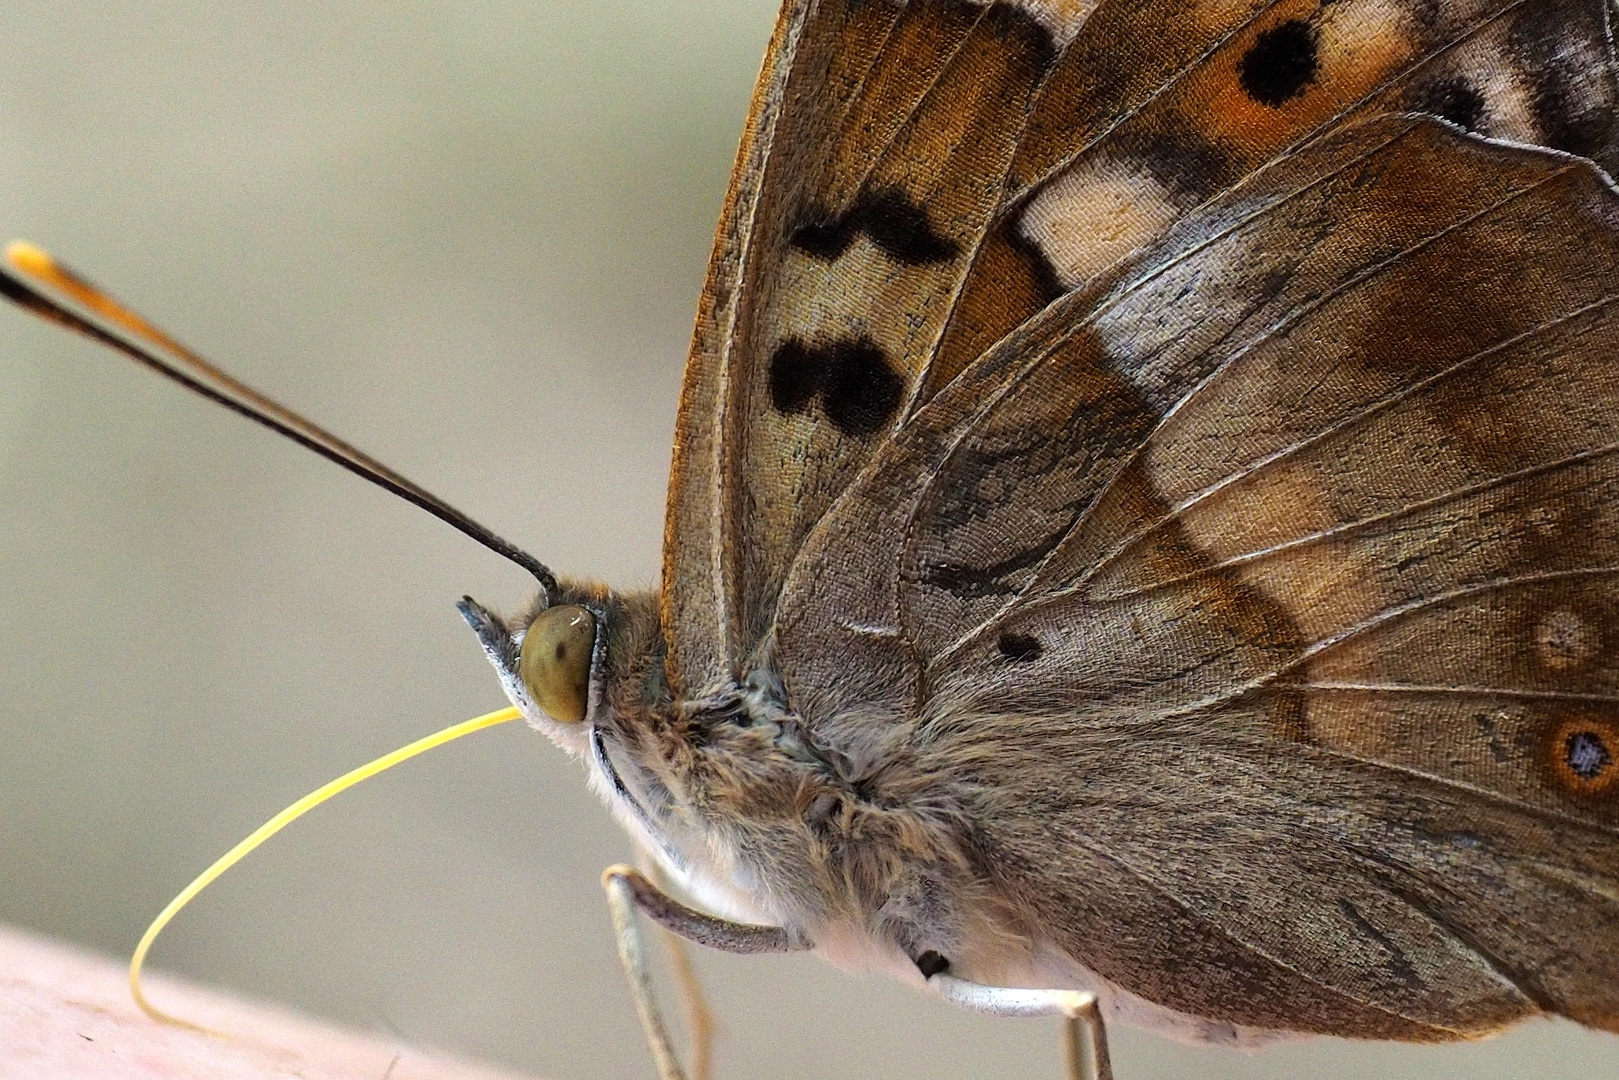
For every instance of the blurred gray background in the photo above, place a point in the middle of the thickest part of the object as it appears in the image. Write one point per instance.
(469, 238)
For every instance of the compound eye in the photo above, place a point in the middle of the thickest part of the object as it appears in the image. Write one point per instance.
(555, 662)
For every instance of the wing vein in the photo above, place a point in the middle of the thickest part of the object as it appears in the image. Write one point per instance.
(1199, 915)
(1456, 691)
(1022, 602)
(1343, 528)
(1012, 384)
(1291, 319)
(1383, 618)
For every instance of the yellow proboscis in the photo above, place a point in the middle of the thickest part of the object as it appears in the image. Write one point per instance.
(275, 825)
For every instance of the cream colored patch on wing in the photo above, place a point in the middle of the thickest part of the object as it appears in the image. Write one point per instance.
(1095, 214)
(861, 294)
(1508, 110)
(1363, 31)
(1062, 17)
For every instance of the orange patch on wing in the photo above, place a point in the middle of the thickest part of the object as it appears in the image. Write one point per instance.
(915, 49)
(1010, 284)
(1355, 50)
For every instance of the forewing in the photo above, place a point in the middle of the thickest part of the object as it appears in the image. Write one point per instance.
(1277, 570)
(919, 178)
(881, 134)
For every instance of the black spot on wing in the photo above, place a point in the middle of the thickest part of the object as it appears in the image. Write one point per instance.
(796, 374)
(1454, 100)
(862, 392)
(823, 235)
(1020, 648)
(1281, 63)
(893, 221)
(858, 389)
(901, 228)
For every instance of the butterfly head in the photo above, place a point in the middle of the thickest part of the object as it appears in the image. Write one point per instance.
(585, 666)
(557, 659)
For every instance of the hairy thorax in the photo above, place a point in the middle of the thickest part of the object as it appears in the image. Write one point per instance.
(858, 850)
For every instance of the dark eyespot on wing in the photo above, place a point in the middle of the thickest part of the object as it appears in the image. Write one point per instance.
(1454, 100)
(796, 374)
(1281, 64)
(1020, 648)
(1581, 753)
(1587, 755)
(862, 391)
(893, 221)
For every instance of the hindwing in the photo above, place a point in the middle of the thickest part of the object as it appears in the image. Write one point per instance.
(1277, 568)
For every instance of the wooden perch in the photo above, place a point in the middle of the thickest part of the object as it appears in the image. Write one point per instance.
(67, 1015)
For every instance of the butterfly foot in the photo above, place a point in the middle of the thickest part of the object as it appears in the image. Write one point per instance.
(1084, 1038)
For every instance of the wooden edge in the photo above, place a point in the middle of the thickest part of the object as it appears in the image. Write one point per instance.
(67, 1014)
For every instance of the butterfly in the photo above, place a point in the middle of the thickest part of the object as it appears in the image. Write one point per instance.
(1140, 520)
(1141, 517)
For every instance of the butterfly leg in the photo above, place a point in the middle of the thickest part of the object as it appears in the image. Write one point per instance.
(699, 1018)
(629, 891)
(1084, 1035)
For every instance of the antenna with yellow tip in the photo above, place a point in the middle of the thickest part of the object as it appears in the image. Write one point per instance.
(31, 275)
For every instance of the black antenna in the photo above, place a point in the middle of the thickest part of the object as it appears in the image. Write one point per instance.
(143, 342)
